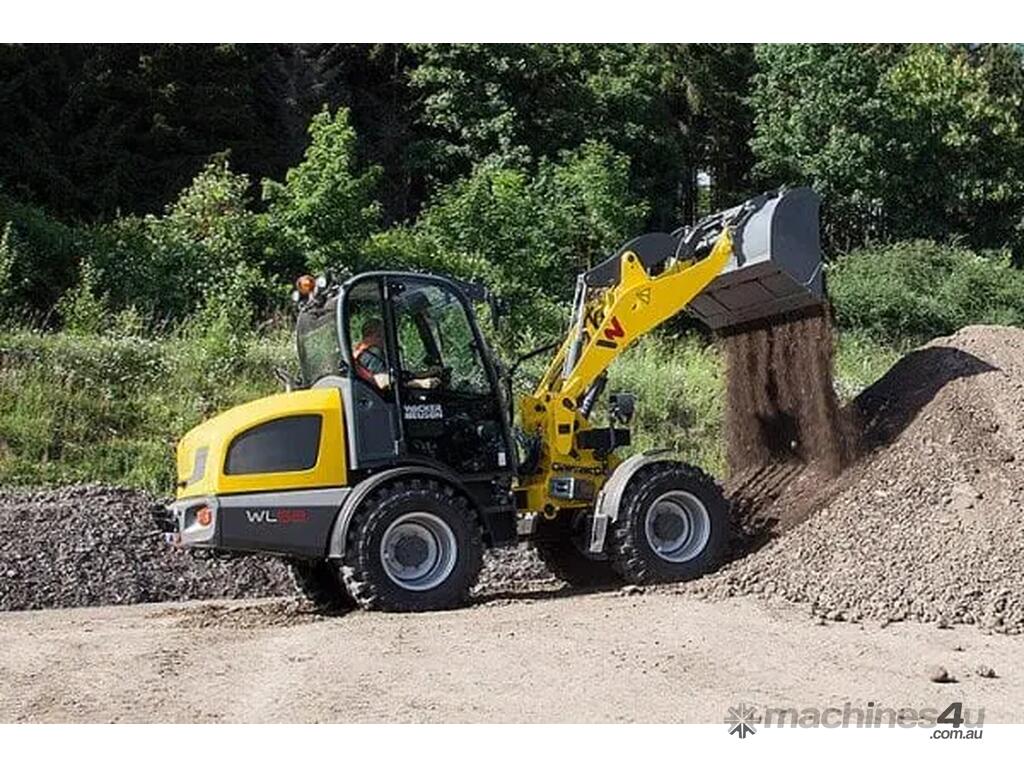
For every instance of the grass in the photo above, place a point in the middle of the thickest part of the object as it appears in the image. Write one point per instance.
(110, 408)
(861, 360)
(678, 382)
(94, 408)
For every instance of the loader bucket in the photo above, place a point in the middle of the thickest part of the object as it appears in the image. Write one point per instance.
(776, 265)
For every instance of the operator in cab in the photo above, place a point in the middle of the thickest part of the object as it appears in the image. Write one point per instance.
(368, 354)
(371, 363)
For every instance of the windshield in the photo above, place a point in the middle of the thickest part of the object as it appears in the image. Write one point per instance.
(435, 338)
(316, 332)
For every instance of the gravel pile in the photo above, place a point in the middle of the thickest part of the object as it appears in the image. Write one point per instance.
(95, 545)
(929, 524)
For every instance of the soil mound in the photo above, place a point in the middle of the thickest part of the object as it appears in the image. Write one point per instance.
(929, 524)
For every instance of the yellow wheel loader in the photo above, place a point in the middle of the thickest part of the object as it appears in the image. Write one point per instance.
(396, 461)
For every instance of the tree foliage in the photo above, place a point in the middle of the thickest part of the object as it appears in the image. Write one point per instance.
(526, 234)
(143, 184)
(903, 141)
(326, 209)
(667, 107)
(918, 289)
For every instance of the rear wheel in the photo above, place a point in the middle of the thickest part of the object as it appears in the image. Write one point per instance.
(320, 584)
(672, 525)
(559, 544)
(414, 545)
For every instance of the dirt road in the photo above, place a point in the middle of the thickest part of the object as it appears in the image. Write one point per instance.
(598, 657)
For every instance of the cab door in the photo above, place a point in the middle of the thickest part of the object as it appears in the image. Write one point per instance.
(371, 414)
(451, 411)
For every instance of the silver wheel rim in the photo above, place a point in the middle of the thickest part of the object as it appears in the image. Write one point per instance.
(418, 551)
(678, 526)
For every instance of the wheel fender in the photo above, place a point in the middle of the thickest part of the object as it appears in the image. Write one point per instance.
(339, 531)
(606, 507)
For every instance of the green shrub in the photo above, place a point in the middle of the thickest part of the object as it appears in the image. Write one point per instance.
(207, 242)
(80, 309)
(325, 210)
(920, 289)
(7, 256)
(41, 256)
(524, 233)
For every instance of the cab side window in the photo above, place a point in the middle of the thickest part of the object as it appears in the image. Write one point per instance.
(365, 314)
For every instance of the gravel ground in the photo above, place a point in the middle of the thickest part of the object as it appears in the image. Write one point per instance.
(95, 545)
(929, 525)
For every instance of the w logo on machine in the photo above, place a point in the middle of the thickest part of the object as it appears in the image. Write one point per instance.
(741, 721)
(612, 332)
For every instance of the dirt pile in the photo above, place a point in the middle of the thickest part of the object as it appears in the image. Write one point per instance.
(929, 524)
(95, 545)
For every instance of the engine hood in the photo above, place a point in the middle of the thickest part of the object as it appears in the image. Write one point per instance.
(284, 441)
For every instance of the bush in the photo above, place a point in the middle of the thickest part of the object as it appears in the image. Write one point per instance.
(39, 256)
(7, 256)
(525, 234)
(324, 211)
(921, 289)
(206, 243)
(80, 309)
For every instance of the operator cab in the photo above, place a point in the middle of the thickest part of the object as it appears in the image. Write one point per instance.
(417, 380)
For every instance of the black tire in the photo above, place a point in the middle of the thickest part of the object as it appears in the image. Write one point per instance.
(367, 576)
(557, 543)
(630, 541)
(320, 584)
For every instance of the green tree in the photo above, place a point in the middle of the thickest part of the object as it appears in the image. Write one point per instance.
(903, 142)
(672, 109)
(325, 208)
(957, 147)
(525, 234)
(207, 244)
(90, 130)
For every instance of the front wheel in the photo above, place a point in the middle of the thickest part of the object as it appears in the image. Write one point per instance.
(414, 545)
(672, 525)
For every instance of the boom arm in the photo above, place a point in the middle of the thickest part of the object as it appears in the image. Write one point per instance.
(620, 314)
(606, 320)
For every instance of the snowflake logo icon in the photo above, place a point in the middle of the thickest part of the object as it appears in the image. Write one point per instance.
(741, 720)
